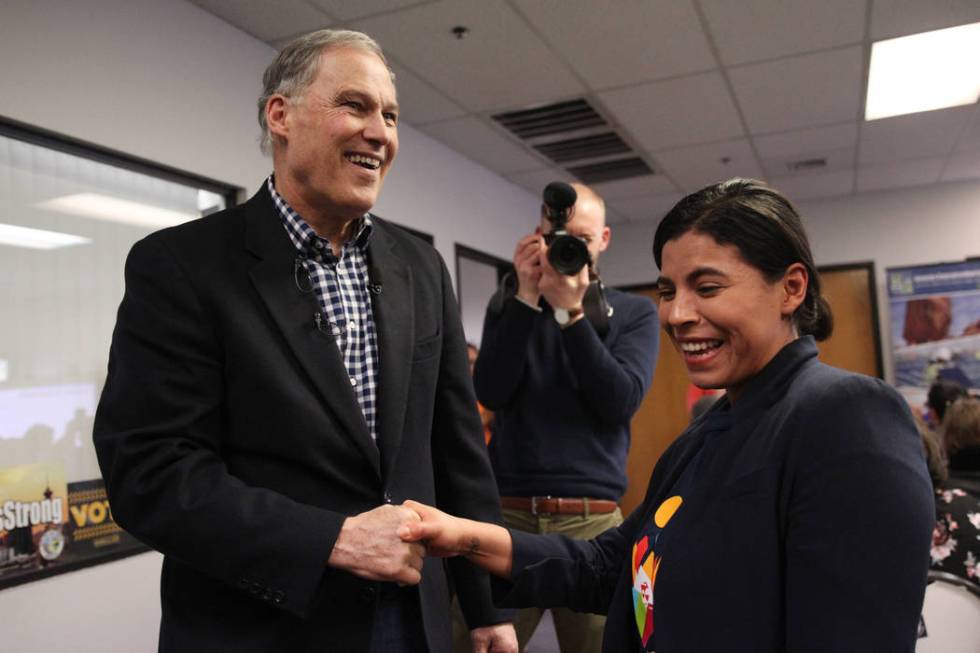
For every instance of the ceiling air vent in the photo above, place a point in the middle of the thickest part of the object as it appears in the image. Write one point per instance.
(551, 119)
(595, 173)
(806, 164)
(586, 147)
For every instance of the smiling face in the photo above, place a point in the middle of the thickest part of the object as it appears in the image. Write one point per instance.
(335, 142)
(723, 317)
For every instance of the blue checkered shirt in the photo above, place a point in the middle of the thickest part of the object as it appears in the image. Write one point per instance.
(341, 285)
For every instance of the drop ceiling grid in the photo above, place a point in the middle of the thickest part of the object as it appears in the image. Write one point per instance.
(499, 44)
(689, 75)
(267, 21)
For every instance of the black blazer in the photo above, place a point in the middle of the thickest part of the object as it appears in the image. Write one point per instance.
(231, 441)
(806, 528)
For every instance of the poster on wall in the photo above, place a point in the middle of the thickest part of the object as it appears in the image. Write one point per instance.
(935, 326)
(51, 518)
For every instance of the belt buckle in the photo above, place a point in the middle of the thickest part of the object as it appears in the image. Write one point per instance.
(534, 505)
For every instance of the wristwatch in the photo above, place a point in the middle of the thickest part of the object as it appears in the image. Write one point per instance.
(564, 316)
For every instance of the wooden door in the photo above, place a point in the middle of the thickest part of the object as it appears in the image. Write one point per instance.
(661, 418)
(854, 344)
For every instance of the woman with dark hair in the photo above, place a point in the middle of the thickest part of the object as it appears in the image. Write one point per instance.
(956, 538)
(794, 515)
(942, 393)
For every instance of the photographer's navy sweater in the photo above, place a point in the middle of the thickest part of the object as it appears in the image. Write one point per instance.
(563, 399)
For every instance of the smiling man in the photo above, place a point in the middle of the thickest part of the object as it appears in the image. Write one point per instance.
(283, 375)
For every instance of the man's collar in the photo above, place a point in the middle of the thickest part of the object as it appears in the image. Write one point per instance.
(304, 237)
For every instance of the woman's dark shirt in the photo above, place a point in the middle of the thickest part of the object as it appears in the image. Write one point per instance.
(808, 528)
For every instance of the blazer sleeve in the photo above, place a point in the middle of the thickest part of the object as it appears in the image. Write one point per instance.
(158, 435)
(465, 485)
(551, 571)
(858, 524)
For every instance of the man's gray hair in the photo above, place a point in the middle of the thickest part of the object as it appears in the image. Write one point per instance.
(298, 62)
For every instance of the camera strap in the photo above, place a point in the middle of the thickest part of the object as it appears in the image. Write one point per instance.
(506, 290)
(597, 309)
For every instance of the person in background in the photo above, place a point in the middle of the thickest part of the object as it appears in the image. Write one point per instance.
(563, 396)
(933, 449)
(956, 537)
(942, 393)
(281, 374)
(795, 515)
(486, 415)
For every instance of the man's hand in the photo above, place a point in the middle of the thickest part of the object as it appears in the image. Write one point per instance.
(369, 546)
(527, 262)
(561, 290)
(499, 638)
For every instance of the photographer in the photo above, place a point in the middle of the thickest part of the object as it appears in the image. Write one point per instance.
(564, 393)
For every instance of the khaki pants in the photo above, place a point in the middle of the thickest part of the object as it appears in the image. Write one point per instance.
(577, 632)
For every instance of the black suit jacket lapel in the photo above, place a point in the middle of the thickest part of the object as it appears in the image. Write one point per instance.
(394, 320)
(293, 312)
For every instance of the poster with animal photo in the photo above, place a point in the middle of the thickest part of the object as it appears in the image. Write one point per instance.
(935, 326)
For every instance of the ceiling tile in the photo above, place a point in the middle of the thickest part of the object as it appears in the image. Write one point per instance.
(917, 135)
(696, 167)
(899, 174)
(833, 160)
(478, 141)
(696, 109)
(752, 30)
(501, 63)
(794, 145)
(268, 20)
(891, 18)
(420, 103)
(815, 185)
(963, 165)
(634, 187)
(645, 209)
(535, 180)
(351, 9)
(805, 91)
(646, 40)
(971, 137)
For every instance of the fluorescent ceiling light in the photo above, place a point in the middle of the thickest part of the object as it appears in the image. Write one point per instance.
(923, 72)
(104, 207)
(37, 238)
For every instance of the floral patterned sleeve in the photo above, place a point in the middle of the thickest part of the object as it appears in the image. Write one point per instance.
(956, 536)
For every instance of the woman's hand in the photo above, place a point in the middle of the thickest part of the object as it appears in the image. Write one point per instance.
(487, 545)
(439, 532)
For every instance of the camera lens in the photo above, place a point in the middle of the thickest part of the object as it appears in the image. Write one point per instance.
(568, 254)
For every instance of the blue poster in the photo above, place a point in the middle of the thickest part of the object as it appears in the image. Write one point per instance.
(935, 325)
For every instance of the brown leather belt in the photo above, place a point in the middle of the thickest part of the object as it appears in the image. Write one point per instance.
(558, 505)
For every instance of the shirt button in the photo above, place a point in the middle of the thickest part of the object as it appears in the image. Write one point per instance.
(351, 325)
(353, 381)
(318, 244)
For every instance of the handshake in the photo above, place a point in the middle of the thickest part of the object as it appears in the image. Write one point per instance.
(389, 542)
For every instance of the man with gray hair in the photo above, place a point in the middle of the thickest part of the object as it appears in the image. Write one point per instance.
(282, 376)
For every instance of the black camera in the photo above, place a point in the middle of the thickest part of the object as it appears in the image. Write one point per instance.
(567, 253)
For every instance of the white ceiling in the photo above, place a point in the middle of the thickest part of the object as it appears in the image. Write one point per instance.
(701, 89)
